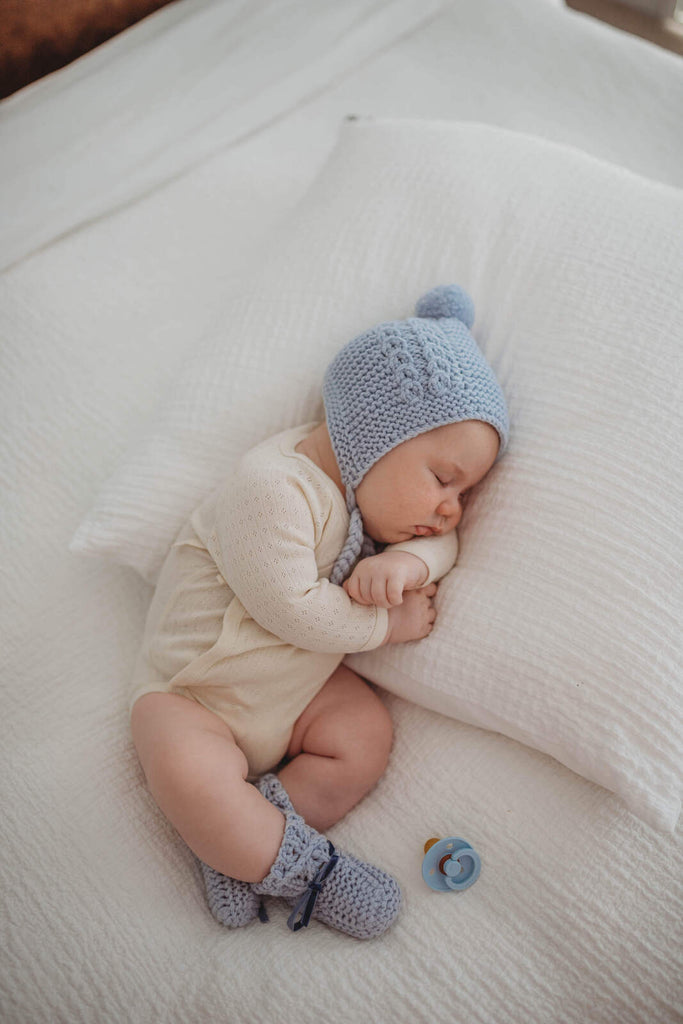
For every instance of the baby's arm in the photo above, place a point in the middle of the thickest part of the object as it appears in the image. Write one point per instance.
(264, 545)
(382, 579)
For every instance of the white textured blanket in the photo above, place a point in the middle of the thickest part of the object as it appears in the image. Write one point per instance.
(577, 914)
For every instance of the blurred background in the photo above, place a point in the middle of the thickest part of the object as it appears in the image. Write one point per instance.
(40, 36)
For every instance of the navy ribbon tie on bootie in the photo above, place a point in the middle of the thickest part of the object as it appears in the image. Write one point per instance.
(309, 897)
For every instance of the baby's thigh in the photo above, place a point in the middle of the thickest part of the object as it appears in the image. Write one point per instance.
(178, 741)
(345, 720)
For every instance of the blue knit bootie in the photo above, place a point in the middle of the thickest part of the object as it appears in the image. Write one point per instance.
(332, 887)
(234, 903)
(231, 901)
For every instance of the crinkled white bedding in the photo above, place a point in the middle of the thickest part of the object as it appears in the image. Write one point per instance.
(577, 914)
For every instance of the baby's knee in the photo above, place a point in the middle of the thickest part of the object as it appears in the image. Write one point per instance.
(382, 725)
(371, 744)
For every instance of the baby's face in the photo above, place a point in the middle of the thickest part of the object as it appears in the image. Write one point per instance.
(416, 490)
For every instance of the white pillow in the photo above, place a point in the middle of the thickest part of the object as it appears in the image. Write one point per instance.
(561, 624)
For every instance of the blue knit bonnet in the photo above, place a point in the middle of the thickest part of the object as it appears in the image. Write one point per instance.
(399, 380)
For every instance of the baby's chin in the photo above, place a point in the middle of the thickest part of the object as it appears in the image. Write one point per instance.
(389, 536)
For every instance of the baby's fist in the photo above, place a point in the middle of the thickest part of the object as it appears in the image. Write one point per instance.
(414, 620)
(382, 579)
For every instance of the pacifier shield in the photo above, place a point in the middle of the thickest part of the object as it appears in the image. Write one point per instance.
(450, 865)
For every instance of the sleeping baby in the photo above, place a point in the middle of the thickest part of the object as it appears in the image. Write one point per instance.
(330, 538)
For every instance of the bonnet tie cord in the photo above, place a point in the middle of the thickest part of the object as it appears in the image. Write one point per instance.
(309, 897)
(357, 544)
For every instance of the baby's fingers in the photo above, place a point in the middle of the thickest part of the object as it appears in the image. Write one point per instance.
(358, 589)
(429, 590)
(379, 593)
(352, 589)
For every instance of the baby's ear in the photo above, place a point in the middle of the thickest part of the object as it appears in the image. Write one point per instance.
(447, 301)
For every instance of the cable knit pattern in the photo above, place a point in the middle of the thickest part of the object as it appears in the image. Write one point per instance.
(356, 898)
(400, 379)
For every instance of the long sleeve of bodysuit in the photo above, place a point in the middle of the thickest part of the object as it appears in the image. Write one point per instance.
(269, 531)
(275, 533)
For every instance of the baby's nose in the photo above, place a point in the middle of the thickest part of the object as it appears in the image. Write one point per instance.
(450, 509)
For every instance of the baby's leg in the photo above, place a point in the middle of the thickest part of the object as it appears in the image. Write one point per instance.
(196, 773)
(339, 749)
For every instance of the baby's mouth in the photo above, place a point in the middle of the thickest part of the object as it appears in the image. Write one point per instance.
(425, 531)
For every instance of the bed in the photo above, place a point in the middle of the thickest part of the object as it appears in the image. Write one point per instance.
(169, 203)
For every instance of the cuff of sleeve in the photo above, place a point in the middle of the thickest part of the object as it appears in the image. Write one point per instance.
(380, 630)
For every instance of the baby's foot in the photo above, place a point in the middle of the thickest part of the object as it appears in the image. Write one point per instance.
(232, 902)
(332, 887)
(273, 790)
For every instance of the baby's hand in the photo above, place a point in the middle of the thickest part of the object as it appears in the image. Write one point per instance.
(382, 579)
(414, 618)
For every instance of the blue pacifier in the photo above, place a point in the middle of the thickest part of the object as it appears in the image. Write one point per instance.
(450, 865)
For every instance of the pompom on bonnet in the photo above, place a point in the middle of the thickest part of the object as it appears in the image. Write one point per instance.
(398, 380)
